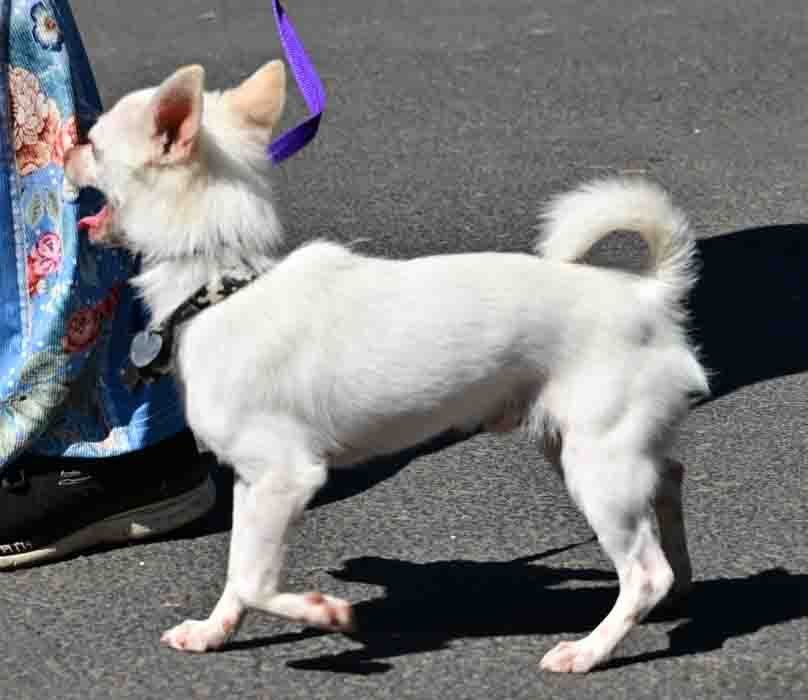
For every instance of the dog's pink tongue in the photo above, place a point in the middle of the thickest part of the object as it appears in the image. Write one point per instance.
(96, 225)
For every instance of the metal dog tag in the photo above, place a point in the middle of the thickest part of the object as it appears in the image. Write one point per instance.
(145, 348)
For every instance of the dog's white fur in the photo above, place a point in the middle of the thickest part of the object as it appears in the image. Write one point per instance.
(332, 357)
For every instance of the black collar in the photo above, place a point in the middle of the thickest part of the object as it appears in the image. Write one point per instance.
(151, 354)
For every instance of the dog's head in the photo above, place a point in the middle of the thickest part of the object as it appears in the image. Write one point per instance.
(181, 167)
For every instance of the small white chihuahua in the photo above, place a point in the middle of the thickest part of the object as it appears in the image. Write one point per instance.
(329, 357)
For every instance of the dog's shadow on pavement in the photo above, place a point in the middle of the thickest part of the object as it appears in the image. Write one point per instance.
(750, 306)
(427, 606)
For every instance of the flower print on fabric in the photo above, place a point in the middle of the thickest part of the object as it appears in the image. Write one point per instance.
(83, 329)
(45, 259)
(67, 137)
(41, 391)
(36, 121)
(109, 304)
(65, 332)
(85, 325)
(46, 30)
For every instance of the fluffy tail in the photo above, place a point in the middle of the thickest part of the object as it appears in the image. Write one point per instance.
(576, 220)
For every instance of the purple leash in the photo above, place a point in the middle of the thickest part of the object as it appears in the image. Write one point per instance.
(311, 87)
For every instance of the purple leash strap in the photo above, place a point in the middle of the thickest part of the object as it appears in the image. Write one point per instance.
(311, 87)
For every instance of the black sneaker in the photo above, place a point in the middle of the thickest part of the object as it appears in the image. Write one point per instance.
(50, 508)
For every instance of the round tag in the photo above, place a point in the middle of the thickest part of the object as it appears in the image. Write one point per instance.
(145, 348)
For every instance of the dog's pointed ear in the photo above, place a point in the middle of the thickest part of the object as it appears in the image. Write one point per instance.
(261, 97)
(177, 112)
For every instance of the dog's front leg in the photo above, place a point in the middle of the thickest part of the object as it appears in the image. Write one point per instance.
(262, 516)
(205, 635)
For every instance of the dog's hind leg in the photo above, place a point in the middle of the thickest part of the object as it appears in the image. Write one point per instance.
(616, 497)
(668, 506)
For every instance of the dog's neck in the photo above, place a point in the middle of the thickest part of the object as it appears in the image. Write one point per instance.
(165, 284)
(217, 218)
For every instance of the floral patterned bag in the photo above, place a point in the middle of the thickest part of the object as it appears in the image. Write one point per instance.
(66, 312)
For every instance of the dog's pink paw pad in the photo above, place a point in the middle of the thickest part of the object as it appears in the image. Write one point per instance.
(229, 625)
(569, 657)
(329, 613)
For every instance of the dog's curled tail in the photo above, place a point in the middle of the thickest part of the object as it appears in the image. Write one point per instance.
(575, 221)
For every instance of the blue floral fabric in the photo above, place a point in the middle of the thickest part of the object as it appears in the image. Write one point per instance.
(66, 311)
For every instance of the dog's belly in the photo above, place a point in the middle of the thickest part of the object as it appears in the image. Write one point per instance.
(497, 404)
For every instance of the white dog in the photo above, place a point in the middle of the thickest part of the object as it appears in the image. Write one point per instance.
(330, 357)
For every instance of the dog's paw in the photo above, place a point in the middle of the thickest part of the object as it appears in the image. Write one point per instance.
(196, 635)
(327, 612)
(569, 657)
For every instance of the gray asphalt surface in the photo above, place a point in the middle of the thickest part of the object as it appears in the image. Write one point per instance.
(450, 122)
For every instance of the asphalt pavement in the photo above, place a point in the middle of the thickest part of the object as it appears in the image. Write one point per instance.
(449, 124)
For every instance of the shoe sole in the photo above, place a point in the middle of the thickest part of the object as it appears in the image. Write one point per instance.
(131, 526)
